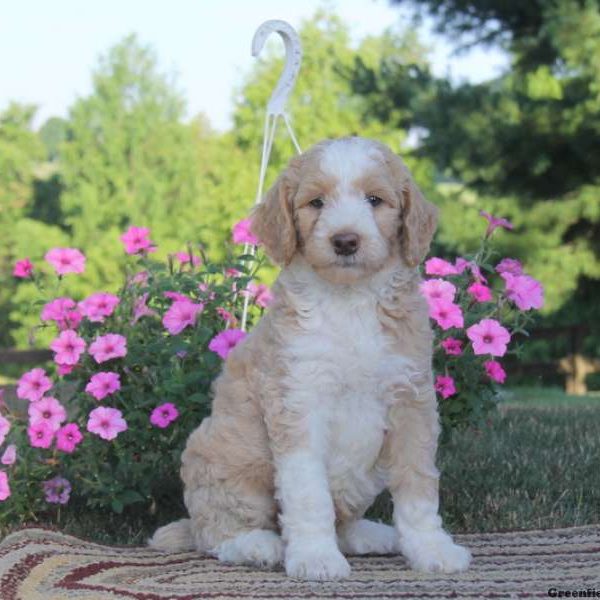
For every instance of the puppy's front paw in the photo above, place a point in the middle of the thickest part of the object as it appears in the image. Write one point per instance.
(434, 552)
(316, 562)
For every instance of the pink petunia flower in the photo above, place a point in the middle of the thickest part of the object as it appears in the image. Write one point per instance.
(68, 347)
(460, 264)
(106, 422)
(4, 428)
(106, 347)
(10, 455)
(446, 314)
(4, 486)
(162, 416)
(439, 266)
(180, 315)
(509, 265)
(66, 260)
(525, 291)
(205, 289)
(438, 289)
(136, 240)
(68, 437)
(226, 316)
(261, 293)
(23, 269)
(452, 346)
(103, 384)
(141, 309)
(242, 235)
(62, 312)
(480, 292)
(57, 490)
(495, 371)
(47, 410)
(33, 385)
(444, 386)
(234, 273)
(63, 370)
(495, 222)
(223, 343)
(184, 258)
(40, 434)
(177, 296)
(140, 278)
(488, 337)
(98, 306)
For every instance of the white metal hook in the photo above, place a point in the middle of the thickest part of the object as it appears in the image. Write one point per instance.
(293, 59)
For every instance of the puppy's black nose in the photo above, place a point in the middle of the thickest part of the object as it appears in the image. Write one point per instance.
(345, 244)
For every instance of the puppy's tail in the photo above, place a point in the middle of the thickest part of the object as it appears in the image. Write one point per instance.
(174, 537)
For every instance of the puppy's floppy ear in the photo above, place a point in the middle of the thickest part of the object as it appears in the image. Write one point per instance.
(273, 220)
(419, 221)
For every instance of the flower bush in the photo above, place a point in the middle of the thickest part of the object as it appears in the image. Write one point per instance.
(132, 371)
(477, 309)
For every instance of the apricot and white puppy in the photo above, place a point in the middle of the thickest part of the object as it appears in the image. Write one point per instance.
(330, 398)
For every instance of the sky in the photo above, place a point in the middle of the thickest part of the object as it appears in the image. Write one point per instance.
(48, 48)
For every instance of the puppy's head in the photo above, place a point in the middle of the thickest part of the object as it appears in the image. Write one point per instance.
(349, 206)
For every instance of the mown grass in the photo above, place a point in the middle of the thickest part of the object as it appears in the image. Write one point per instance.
(536, 464)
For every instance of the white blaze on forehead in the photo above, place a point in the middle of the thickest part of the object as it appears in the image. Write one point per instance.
(349, 158)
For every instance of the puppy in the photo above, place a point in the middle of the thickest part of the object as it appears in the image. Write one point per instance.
(330, 398)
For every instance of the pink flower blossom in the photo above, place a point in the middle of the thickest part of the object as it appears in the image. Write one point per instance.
(182, 314)
(439, 266)
(136, 240)
(460, 264)
(480, 292)
(98, 306)
(141, 309)
(226, 316)
(452, 346)
(106, 347)
(177, 297)
(4, 486)
(162, 416)
(444, 386)
(23, 268)
(494, 222)
(233, 273)
(184, 258)
(446, 314)
(438, 289)
(103, 384)
(488, 337)
(62, 312)
(4, 428)
(57, 490)
(10, 455)
(204, 288)
(40, 434)
(223, 343)
(495, 371)
(242, 233)
(33, 385)
(68, 347)
(68, 437)
(47, 410)
(525, 291)
(66, 260)
(106, 422)
(261, 293)
(509, 265)
(63, 370)
(140, 278)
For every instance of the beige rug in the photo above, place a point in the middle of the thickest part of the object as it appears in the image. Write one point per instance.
(37, 564)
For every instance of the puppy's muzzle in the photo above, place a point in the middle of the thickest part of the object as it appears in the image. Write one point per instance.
(345, 244)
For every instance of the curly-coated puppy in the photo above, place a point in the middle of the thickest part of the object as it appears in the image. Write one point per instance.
(330, 398)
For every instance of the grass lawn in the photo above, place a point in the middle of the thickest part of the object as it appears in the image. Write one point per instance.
(536, 464)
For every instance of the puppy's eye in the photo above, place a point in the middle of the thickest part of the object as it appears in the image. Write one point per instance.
(316, 203)
(374, 200)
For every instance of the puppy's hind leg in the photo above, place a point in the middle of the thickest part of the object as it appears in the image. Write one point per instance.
(368, 537)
